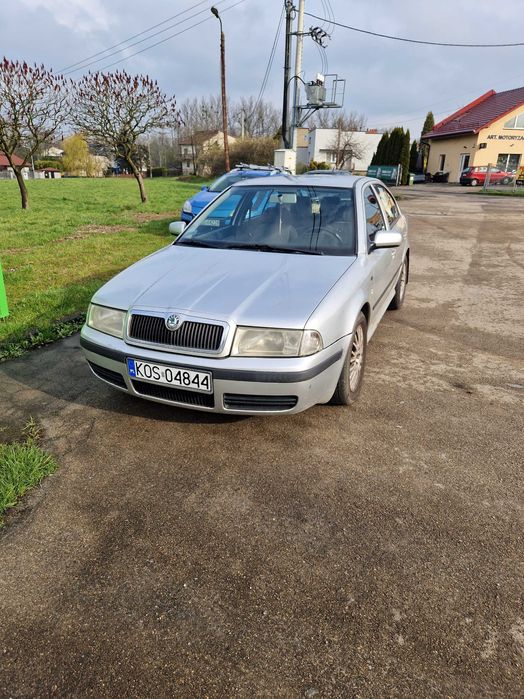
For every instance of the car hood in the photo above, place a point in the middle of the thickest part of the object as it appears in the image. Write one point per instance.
(202, 199)
(238, 286)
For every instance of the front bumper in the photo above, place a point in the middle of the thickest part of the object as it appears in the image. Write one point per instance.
(242, 385)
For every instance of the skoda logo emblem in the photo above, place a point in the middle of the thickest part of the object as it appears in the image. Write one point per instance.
(173, 322)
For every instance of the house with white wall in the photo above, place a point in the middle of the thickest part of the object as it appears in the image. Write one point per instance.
(324, 144)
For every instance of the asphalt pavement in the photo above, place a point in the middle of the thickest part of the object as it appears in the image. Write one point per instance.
(371, 551)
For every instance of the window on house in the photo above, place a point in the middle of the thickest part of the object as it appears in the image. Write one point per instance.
(442, 160)
(508, 162)
(516, 122)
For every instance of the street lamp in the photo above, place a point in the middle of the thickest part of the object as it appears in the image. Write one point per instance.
(223, 81)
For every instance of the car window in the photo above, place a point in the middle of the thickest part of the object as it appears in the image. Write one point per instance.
(374, 218)
(388, 204)
(308, 220)
(230, 178)
(222, 214)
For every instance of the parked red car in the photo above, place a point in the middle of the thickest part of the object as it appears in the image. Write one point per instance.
(477, 175)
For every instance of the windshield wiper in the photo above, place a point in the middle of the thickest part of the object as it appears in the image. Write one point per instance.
(261, 247)
(198, 244)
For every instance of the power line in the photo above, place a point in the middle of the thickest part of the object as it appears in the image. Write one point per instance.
(141, 41)
(171, 36)
(130, 38)
(270, 62)
(416, 41)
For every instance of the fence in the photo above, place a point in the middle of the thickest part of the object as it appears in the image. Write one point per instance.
(496, 178)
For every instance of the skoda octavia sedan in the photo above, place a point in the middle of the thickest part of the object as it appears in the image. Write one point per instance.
(264, 303)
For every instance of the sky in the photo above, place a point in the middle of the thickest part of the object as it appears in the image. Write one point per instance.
(391, 83)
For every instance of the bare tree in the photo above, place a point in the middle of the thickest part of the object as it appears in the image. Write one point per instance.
(346, 144)
(118, 110)
(261, 119)
(334, 118)
(33, 104)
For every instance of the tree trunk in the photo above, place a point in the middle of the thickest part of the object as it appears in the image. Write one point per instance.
(22, 186)
(139, 179)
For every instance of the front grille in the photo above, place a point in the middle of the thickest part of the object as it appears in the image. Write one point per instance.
(239, 401)
(190, 335)
(176, 395)
(112, 376)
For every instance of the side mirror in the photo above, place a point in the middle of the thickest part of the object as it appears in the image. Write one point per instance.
(176, 228)
(205, 188)
(387, 239)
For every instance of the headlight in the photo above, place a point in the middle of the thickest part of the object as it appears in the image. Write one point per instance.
(273, 342)
(107, 320)
(187, 208)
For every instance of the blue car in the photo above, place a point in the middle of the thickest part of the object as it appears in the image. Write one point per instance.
(194, 206)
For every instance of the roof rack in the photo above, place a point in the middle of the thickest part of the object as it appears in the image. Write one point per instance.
(276, 168)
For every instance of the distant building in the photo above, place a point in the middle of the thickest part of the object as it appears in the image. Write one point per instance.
(487, 131)
(197, 144)
(52, 152)
(48, 173)
(324, 145)
(7, 172)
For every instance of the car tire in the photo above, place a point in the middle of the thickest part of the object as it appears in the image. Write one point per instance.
(400, 288)
(352, 374)
(505, 180)
(474, 183)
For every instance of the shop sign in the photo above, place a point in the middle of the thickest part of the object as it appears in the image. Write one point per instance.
(505, 138)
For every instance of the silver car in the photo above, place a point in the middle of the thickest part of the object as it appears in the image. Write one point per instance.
(265, 303)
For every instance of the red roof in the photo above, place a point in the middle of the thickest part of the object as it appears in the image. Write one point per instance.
(4, 162)
(479, 114)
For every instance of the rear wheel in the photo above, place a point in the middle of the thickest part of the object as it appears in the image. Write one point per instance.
(400, 288)
(505, 180)
(350, 381)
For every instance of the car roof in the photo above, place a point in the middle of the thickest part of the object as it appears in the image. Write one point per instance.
(306, 180)
(327, 172)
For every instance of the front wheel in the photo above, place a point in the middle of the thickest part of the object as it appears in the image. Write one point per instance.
(474, 183)
(400, 288)
(350, 381)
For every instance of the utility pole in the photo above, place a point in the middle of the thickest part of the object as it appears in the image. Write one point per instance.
(223, 81)
(287, 73)
(298, 71)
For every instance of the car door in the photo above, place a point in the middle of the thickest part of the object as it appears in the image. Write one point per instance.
(389, 260)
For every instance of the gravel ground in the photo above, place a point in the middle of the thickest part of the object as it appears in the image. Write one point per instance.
(375, 551)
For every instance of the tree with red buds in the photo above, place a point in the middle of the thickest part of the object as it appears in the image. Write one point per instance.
(33, 105)
(119, 110)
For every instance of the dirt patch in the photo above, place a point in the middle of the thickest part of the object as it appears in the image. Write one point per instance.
(93, 229)
(79, 234)
(141, 217)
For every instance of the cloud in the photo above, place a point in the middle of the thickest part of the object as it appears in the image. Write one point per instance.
(77, 15)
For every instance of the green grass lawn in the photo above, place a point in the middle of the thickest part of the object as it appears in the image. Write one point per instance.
(77, 234)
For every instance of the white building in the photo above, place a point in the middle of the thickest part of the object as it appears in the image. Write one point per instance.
(198, 144)
(324, 144)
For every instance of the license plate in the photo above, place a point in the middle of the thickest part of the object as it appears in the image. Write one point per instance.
(180, 377)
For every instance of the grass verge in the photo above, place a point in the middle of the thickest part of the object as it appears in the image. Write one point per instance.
(77, 234)
(23, 465)
(502, 192)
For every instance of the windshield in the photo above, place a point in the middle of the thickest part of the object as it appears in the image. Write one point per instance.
(303, 220)
(227, 180)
